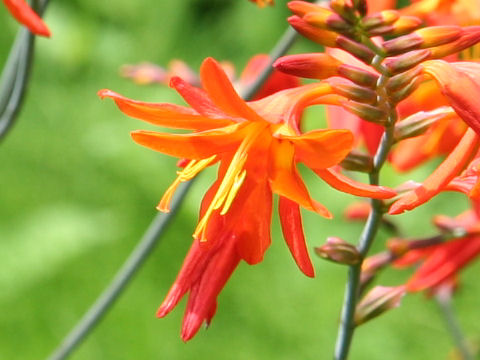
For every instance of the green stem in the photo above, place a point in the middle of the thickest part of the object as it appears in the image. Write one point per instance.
(347, 324)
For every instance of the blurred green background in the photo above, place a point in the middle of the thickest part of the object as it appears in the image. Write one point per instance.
(76, 195)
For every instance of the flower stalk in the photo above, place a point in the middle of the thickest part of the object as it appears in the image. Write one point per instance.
(370, 230)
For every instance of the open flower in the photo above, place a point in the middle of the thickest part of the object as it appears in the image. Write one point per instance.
(257, 146)
(441, 263)
(26, 16)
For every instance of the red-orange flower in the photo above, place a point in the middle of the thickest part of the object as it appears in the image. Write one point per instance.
(257, 145)
(26, 16)
(441, 263)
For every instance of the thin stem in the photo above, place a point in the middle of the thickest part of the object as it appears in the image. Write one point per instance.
(16, 74)
(444, 302)
(151, 237)
(352, 291)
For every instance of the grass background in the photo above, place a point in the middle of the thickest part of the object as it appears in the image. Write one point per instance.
(76, 194)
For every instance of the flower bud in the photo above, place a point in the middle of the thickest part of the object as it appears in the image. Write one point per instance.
(358, 50)
(301, 8)
(313, 66)
(320, 36)
(423, 38)
(398, 81)
(404, 25)
(382, 18)
(339, 251)
(403, 93)
(352, 91)
(357, 75)
(327, 19)
(406, 61)
(356, 161)
(344, 8)
(420, 122)
(469, 37)
(378, 300)
(366, 112)
(398, 246)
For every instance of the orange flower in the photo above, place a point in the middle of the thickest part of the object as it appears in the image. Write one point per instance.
(257, 145)
(26, 16)
(445, 12)
(442, 262)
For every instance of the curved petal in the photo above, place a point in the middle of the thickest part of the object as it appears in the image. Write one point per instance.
(197, 98)
(442, 175)
(221, 91)
(292, 229)
(167, 115)
(285, 180)
(347, 185)
(320, 149)
(26, 16)
(460, 89)
(253, 224)
(194, 146)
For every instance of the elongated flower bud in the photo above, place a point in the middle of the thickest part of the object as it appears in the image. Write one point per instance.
(406, 91)
(423, 38)
(399, 81)
(378, 300)
(420, 122)
(359, 50)
(312, 66)
(301, 8)
(339, 251)
(366, 112)
(352, 91)
(329, 21)
(404, 25)
(469, 37)
(406, 61)
(357, 75)
(320, 36)
(344, 8)
(382, 18)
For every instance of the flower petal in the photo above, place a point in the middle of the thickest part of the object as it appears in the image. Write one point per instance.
(292, 229)
(196, 146)
(320, 149)
(444, 262)
(197, 98)
(221, 91)
(285, 180)
(459, 88)
(26, 16)
(347, 185)
(167, 115)
(442, 175)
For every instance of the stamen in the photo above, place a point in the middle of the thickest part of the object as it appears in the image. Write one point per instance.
(239, 179)
(188, 173)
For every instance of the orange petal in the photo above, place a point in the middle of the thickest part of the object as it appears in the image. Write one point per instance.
(254, 217)
(285, 180)
(292, 229)
(167, 115)
(195, 146)
(221, 91)
(460, 89)
(320, 149)
(26, 16)
(444, 262)
(345, 184)
(442, 175)
(197, 98)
